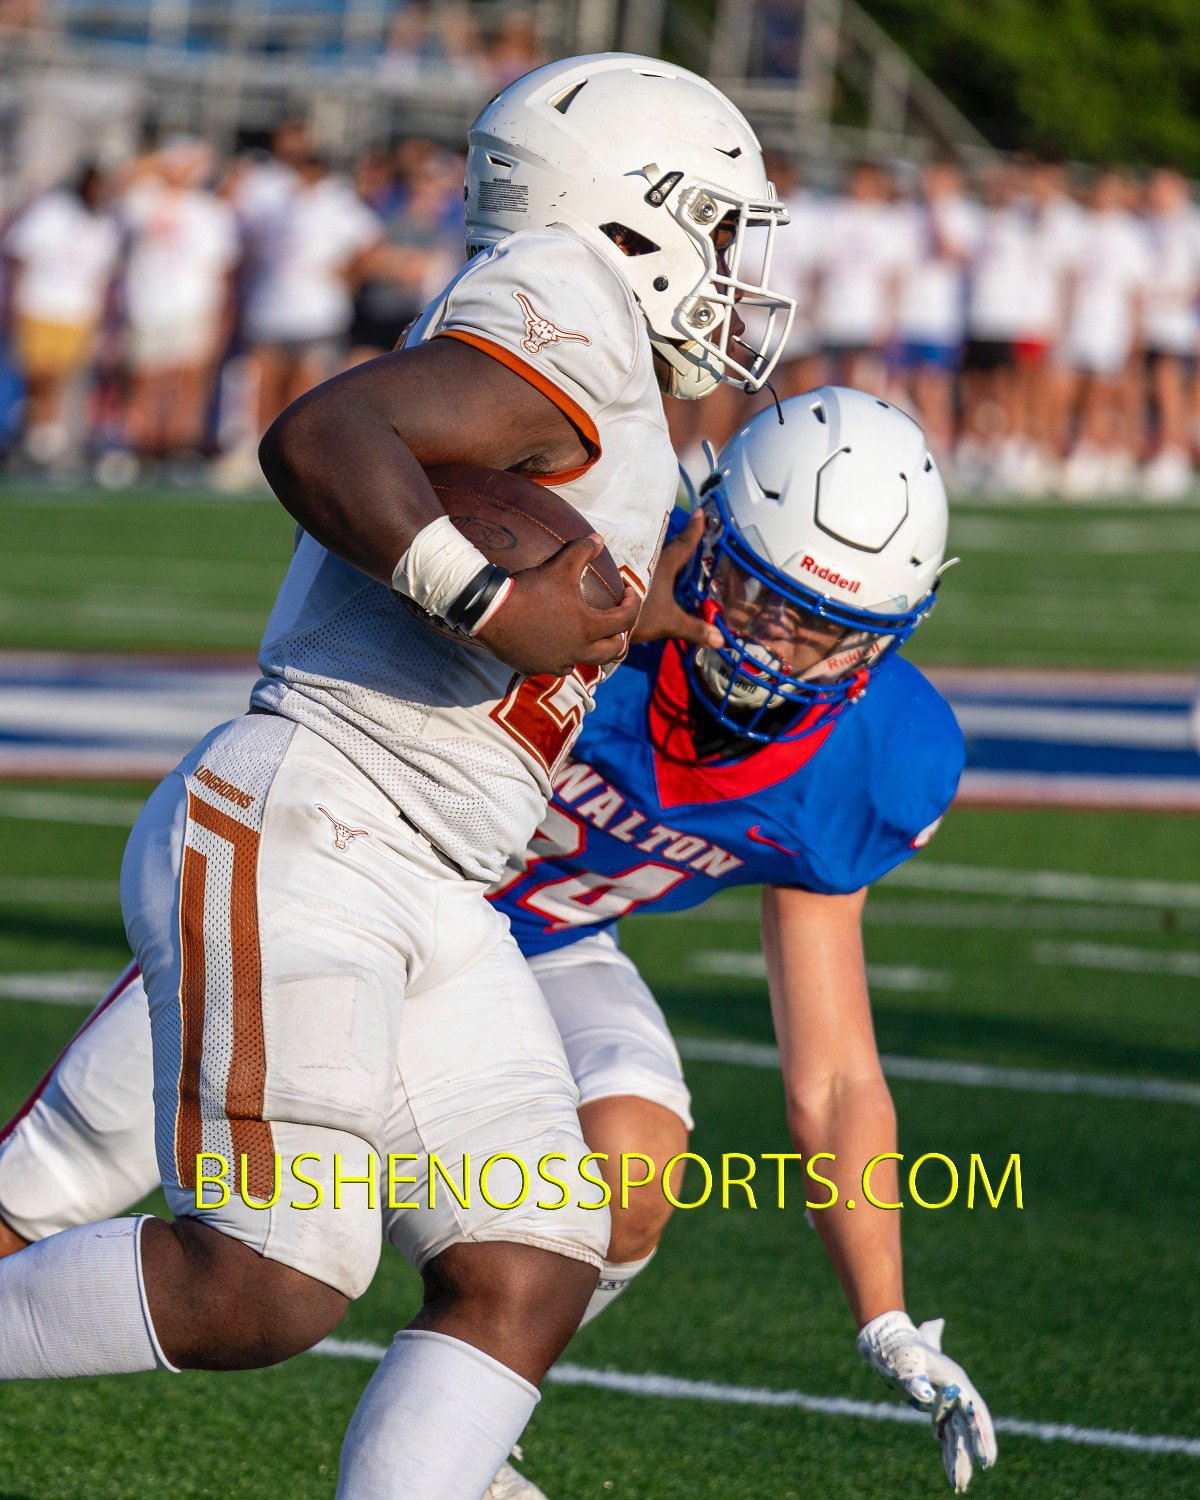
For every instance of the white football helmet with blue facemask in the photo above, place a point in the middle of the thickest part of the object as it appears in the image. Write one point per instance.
(825, 542)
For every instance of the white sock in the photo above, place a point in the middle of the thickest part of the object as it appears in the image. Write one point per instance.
(74, 1304)
(615, 1276)
(436, 1421)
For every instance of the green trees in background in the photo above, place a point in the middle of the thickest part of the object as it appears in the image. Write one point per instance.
(1098, 80)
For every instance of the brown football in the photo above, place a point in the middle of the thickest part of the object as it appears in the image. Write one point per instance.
(518, 523)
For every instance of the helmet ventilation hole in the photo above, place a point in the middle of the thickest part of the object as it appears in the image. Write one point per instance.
(568, 97)
(628, 240)
(818, 411)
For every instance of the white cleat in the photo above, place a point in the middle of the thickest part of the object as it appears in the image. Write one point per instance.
(509, 1485)
(1169, 476)
(1084, 473)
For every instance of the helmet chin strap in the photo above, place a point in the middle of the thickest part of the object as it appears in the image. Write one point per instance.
(689, 380)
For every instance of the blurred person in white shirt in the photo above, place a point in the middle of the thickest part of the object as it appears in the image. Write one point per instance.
(1044, 381)
(61, 253)
(309, 244)
(1172, 227)
(797, 255)
(941, 227)
(991, 448)
(1104, 336)
(859, 262)
(257, 187)
(183, 248)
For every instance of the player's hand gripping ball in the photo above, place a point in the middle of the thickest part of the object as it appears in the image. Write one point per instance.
(569, 604)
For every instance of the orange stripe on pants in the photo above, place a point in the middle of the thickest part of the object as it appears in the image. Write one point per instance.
(246, 1083)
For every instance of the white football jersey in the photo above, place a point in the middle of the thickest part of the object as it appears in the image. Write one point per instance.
(861, 254)
(1001, 257)
(940, 237)
(1114, 271)
(461, 744)
(1173, 243)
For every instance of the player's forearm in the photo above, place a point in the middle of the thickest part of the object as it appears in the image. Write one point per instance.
(347, 476)
(854, 1120)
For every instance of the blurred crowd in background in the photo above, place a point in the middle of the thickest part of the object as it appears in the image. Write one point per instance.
(165, 314)
(1044, 329)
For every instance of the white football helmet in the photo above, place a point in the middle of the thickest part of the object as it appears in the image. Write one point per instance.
(656, 168)
(826, 535)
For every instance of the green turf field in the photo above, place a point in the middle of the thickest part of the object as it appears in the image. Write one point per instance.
(1045, 585)
(1081, 1309)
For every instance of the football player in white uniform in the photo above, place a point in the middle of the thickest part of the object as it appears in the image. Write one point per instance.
(305, 893)
(81, 1147)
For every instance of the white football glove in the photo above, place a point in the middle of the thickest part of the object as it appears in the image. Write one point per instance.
(911, 1360)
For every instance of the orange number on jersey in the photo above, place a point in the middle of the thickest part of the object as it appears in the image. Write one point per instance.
(543, 714)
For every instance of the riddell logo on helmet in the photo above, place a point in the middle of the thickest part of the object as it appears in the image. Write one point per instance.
(830, 575)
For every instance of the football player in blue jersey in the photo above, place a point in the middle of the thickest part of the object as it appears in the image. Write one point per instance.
(765, 731)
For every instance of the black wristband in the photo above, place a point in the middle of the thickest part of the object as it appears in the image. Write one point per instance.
(465, 612)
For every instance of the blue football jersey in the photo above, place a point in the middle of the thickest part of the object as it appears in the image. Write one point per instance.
(637, 824)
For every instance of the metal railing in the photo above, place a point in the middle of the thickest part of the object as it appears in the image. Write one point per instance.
(224, 67)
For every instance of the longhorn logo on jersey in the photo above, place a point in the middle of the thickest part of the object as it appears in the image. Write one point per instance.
(343, 835)
(541, 331)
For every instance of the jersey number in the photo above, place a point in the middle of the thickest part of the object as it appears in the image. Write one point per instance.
(543, 714)
(592, 898)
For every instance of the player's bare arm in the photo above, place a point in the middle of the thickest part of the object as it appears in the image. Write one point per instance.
(838, 1102)
(837, 1098)
(347, 462)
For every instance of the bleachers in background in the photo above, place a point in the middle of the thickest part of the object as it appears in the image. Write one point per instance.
(817, 77)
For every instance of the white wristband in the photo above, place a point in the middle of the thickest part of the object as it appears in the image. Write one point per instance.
(437, 567)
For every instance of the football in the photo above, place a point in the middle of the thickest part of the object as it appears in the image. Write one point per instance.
(518, 523)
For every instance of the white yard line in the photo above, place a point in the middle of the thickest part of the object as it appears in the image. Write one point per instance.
(1103, 536)
(896, 911)
(1045, 885)
(963, 1074)
(69, 807)
(1118, 960)
(56, 989)
(78, 988)
(925, 874)
(994, 880)
(745, 964)
(67, 891)
(674, 1388)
